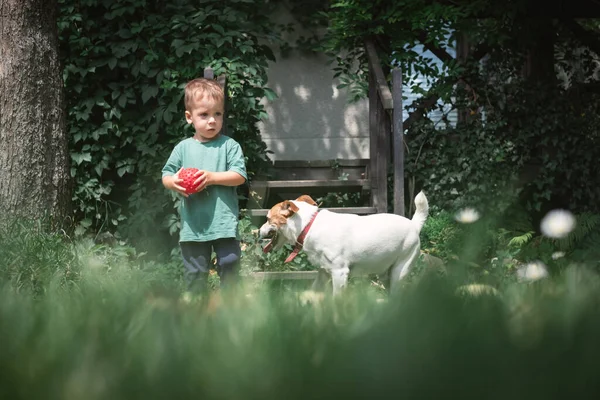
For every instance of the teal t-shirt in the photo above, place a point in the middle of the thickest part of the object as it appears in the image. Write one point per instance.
(212, 213)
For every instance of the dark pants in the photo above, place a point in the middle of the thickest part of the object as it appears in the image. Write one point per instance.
(197, 257)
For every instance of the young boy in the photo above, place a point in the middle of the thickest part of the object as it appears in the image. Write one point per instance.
(209, 217)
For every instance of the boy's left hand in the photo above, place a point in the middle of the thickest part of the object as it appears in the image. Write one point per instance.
(203, 180)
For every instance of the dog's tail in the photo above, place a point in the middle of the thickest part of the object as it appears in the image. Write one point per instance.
(422, 210)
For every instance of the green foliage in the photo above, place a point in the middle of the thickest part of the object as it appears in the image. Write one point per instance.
(116, 335)
(587, 224)
(440, 235)
(253, 258)
(583, 244)
(35, 259)
(519, 146)
(521, 240)
(395, 28)
(528, 139)
(124, 76)
(517, 246)
(31, 257)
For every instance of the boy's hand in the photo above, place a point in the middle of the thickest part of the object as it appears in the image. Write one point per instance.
(174, 183)
(203, 179)
(226, 178)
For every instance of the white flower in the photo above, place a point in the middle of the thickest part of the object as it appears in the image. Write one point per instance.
(533, 271)
(477, 289)
(557, 224)
(558, 254)
(467, 215)
(311, 297)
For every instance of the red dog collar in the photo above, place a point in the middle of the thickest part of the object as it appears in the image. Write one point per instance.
(300, 240)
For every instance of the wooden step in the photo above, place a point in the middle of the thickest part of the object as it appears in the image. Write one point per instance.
(316, 169)
(281, 275)
(329, 185)
(262, 212)
(331, 164)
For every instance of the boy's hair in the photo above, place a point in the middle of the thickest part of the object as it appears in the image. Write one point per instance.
(200, 87)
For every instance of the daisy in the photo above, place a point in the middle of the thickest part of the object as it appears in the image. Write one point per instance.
(533, 271)
(467, 215)
(557, 224)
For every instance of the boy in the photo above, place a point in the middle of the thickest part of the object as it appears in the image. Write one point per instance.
(209, 217)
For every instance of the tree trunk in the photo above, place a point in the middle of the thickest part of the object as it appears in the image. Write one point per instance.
(34, 155)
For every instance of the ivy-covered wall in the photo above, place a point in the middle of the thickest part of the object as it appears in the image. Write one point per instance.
(125, 65)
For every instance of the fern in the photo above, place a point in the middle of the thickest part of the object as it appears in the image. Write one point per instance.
(521, 240)
(587, 224)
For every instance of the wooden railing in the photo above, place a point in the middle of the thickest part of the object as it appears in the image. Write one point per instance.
(385, 128)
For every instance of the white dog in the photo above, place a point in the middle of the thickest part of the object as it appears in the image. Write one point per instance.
(343, 244)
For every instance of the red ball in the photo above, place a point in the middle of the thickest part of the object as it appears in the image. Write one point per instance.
(187, 174)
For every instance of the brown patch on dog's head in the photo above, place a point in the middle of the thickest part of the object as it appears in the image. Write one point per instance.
(280, 212)
(307, 199)
(276, 218)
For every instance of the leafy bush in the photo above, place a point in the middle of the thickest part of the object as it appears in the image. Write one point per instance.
(528, 137)
(253, 258)
(579, 247)
(440, 234)
(34, 259)
(31, 257)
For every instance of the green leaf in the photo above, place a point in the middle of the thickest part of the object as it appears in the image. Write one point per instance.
(78, 158)
(122, 100)
(270, 94)
(219, 29)
(149, 92)
(168, 117)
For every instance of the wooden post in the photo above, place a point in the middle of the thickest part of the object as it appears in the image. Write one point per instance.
(209, 73)
(372, 171)
(379, 151)
(398, 142)
(380, 99)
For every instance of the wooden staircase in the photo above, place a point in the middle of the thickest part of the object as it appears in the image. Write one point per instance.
(290, 179)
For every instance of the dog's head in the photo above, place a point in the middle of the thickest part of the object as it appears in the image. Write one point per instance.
(281, 227)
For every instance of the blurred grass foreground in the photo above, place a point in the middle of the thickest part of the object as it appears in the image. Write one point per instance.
(78, 321)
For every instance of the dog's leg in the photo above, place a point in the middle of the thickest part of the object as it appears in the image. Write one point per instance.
(402, 268)
(339, 278)
(320, 281)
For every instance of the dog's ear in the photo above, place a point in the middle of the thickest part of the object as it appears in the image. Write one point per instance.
(288, 209)
(307, 199)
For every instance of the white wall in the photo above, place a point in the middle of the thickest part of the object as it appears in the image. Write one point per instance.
(311, 119)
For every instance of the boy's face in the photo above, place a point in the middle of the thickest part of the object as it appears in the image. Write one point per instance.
(206, 115)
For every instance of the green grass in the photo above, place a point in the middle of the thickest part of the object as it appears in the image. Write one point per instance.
(120, 330)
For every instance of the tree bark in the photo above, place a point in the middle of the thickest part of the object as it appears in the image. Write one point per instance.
(34, 155)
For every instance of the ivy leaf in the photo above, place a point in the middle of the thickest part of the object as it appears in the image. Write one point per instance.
(81, 157)
(270, 94)
(125, 169)
(168, 116)
(219, 29)
(122, 100)
(177, 43)
(149, 92)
